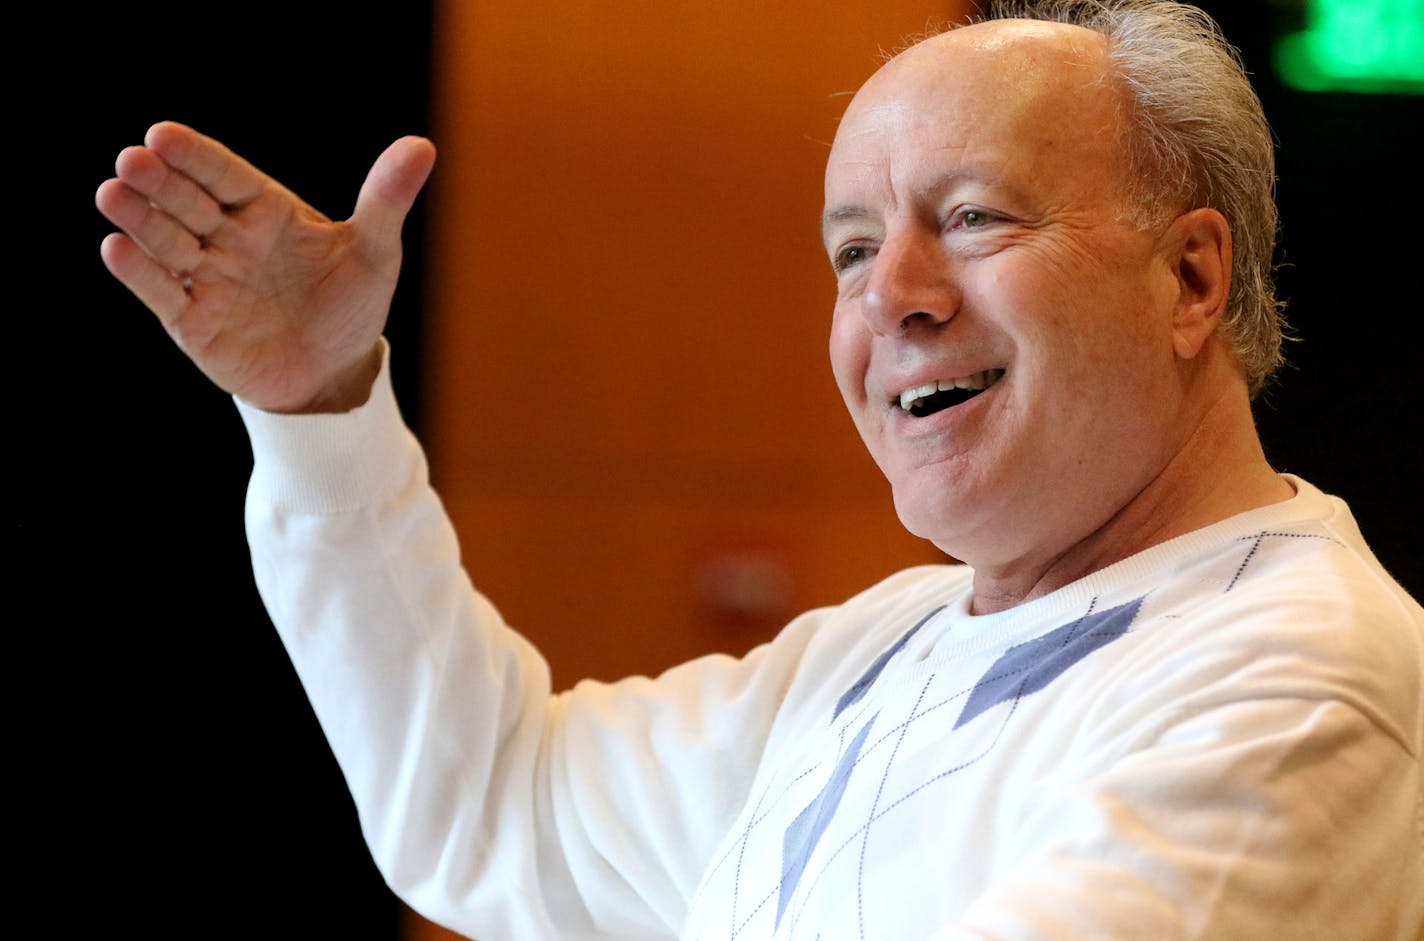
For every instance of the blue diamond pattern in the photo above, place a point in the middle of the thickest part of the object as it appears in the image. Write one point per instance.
(858, 688)
(1031, 666)
(805, 831)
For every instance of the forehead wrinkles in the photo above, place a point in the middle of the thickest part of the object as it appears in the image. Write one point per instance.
(865, 189)
(1044, 106)
(917, 159)
(893, 152)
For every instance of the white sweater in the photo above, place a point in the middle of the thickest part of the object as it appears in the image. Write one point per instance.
(1217, 738)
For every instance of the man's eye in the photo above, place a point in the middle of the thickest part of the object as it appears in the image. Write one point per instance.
(975, 218)
(849, 257)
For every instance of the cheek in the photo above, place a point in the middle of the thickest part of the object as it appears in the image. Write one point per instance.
(1080, 323)
(850, 354)
(1046, 326)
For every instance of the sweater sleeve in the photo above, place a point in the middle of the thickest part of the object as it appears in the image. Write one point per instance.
(489, 805)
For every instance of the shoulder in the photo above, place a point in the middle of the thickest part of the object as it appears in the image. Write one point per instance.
(1283, 604)
(1306, 572)
(1289, 605)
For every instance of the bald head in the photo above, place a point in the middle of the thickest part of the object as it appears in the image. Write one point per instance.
(1045, 87)
(1190, 127)
(1003, 54)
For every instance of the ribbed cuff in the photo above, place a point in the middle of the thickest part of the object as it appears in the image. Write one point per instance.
(329, 463)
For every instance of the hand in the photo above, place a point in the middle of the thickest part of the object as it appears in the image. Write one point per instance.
(272, 300)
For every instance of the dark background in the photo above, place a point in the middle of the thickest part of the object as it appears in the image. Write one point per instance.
(1345, 413)
(173, 776)
(184, 786)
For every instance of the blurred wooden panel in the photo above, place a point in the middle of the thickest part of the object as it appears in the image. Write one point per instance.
(629, 408)
(628, 404)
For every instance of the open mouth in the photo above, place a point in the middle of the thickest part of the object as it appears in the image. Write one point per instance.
(946, 393)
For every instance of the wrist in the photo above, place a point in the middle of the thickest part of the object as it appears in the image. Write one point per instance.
(347, 390)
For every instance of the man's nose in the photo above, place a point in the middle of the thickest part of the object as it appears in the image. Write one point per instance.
(911, 285)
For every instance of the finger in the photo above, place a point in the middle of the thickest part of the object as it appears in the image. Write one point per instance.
(150, 282)
(391, 187)
(173, 192)
(231, 180)
(169, 243)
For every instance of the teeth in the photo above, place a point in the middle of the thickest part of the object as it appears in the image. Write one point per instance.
(979, 380)
(910, 396)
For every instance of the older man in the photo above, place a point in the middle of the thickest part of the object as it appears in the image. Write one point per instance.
(1170, 695)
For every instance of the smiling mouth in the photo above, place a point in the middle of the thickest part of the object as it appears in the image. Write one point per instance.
(946, 393)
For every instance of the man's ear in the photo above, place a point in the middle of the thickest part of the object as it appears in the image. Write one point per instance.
(1198, 245)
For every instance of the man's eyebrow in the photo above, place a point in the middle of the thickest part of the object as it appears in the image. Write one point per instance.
(934, 189)
(833, 217)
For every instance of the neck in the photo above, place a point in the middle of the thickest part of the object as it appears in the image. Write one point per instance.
(1218, 471)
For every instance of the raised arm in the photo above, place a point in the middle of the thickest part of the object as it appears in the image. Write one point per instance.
(488, 804)
(272, 300)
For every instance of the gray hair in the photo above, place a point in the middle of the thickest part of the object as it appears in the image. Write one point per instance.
(1196, 137)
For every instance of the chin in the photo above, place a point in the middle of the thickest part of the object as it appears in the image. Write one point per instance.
(939, 521)
(963, 521)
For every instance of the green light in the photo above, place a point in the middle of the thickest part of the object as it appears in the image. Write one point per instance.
(1356, 45)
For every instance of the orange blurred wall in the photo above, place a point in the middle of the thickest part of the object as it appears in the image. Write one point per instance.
(629, 409)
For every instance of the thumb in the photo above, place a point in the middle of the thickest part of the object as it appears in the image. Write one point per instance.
(391, 187)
